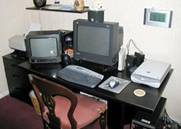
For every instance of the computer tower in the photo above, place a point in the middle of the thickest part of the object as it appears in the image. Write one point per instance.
(144, 120)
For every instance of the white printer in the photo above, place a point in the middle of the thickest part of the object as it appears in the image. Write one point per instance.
(151, 73)
(17, 42)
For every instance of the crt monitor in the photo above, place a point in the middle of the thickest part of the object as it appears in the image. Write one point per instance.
(44, 46)
(97, 42)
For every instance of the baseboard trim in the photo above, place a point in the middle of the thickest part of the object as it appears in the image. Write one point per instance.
(4, 93)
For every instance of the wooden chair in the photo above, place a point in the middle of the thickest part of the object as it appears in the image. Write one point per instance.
(63, 109)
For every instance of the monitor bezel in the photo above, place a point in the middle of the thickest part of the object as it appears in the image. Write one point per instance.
(109, 60)
(44, 35)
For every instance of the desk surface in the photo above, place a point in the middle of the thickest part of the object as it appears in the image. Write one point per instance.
(148, 102)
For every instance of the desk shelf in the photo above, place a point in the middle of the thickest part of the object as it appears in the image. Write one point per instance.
(45, 8)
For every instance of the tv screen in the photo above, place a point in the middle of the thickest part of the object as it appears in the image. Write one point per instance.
(44, 46)
(97, 42)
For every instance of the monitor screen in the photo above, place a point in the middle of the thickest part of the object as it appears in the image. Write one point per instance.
(43, 47)
(97, 41)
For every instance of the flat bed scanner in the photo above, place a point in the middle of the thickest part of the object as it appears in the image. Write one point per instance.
(151, 73)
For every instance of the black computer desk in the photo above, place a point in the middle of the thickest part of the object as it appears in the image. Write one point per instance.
(117, 103)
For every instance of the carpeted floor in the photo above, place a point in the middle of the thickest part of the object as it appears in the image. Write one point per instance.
(17, 115)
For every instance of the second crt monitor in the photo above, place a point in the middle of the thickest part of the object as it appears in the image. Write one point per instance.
(97, 42)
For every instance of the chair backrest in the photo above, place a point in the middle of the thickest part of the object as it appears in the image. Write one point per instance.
(45, 91)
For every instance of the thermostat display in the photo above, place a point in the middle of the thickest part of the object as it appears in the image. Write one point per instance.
(155, 17)
(159, 17)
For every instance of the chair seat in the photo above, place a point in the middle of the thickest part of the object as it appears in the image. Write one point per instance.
(87, 110)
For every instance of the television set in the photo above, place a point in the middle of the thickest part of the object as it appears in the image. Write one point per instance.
(97, 42)
(44, 46)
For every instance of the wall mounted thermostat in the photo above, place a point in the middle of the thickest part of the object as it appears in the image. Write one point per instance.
(155, 17)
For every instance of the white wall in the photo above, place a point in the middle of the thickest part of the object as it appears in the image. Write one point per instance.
(12, 22)
(158, 43)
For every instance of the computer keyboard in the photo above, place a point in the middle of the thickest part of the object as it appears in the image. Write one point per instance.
(80, 75)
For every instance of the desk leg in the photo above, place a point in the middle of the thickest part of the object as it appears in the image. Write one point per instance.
(116, 115)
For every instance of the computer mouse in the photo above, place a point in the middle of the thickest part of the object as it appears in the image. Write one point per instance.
(113, 84)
